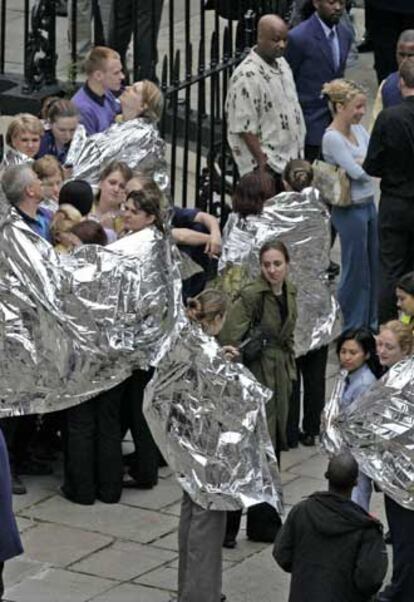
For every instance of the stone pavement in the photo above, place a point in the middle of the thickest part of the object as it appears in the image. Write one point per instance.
(127, 552)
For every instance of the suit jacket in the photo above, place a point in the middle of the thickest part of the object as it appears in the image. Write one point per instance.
(310, 58)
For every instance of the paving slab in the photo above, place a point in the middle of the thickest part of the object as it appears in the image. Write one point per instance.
(256, 578)
(124, 561)
(23, 524)
(133, 593)
(20, 568)
(296, 456)
(61, 546)
(164, 578)
(58, 585)
(117, 520)
(166, 493)
(301, 487)
(168, 542)
(315, 466)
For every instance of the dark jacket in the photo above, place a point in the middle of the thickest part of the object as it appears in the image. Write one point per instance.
(390, 153)
(10, 544)
(334, 550)
(310, 58)
(395, 6)
(275, 368)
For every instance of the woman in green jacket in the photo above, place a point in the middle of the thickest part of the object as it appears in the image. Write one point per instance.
(269, 303)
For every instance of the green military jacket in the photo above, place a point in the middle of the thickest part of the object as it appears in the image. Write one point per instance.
(275, 367)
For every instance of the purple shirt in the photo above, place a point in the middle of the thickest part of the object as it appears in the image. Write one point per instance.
(97, 113)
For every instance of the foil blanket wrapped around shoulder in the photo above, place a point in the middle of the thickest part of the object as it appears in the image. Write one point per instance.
(207, 416)
(72, 326)
(301, 221)
(378, 429)
(136, 142)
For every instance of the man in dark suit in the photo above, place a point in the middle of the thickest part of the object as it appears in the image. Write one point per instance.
(317, 52)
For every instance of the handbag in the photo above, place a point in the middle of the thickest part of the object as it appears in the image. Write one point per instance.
(256, 340)
(332, 182)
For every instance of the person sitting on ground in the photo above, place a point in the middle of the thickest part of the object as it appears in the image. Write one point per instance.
(95, 100)
(23, 139)
(51, 175)
(62, 123)
(405, 298)
(196, 233)
(24, 191)
(63, 221)
(330, 545)
(90, 232)
(109, 198)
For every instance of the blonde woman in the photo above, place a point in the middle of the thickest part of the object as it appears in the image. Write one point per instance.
(23, 139)
(345, 144)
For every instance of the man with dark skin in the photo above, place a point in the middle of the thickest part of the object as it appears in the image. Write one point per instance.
(317, 52)
(330, 544)
(266, 126)
(389, 92)
(272, 33)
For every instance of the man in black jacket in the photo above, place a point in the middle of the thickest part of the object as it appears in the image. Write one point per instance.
(390, 157)
(333, 548)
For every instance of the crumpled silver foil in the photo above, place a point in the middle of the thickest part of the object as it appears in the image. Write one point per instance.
(302, 222)
(330, 436)
(136, 142)
(378, 429)
(74, 325)
(208, 418)
(14, 157)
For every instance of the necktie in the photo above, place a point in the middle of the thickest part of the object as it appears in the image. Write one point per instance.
(334, 48)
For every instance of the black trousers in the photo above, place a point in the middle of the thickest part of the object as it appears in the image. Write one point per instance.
(396, 250)
(92, 445)
(145, 467)
(311, 369)
(148, 24)
(385, 27)
(401, 522)
(18, 433)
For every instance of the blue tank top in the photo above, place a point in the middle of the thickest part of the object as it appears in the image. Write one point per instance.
(391, 94)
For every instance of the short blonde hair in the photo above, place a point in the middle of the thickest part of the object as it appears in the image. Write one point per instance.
(47, 166)
(23, 122)
(152, 97)
(96, 59)
(402, 332)
(341, 91)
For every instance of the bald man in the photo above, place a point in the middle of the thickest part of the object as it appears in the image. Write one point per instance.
(332, 547)
(265, 122)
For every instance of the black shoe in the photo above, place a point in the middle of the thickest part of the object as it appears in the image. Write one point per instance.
(333, 270)
(18, 487)
(131, 483)
(61, 8)
(223, 597)
(35, 468)
(388, 538)
(230, 543)
(365, 46)
(307, 440)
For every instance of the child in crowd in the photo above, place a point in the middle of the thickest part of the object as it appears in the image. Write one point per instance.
(50, 173)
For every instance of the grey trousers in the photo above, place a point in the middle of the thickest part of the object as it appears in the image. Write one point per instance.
(200, 541)
(84, 23)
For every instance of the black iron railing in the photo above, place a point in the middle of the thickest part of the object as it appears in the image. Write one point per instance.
(193, 74)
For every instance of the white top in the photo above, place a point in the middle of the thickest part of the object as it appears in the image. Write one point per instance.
(262, 100)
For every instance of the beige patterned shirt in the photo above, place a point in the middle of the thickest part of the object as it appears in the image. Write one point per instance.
(262, 100)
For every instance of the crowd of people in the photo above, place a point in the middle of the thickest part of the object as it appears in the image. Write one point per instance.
(288, 107)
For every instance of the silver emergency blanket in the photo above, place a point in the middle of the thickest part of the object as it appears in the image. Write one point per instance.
(74, 325)
(378, 429)
(302, 222)
(208, 417)
(14, 157)
(330, 435)
(136, 142)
